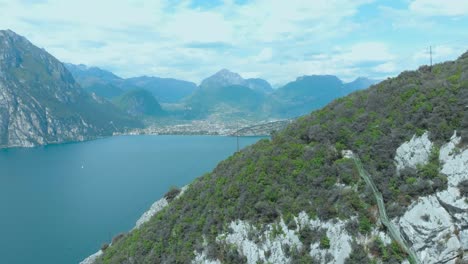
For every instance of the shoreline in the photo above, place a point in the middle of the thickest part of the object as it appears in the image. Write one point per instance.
(259, 130)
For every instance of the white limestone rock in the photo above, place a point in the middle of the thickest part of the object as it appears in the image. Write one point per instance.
(92, 258)
(436, 224)
(201, 258)
(431, 231)
(340, 240)
(414, 152)
(347, 154)
(255, 252)
(156, 207)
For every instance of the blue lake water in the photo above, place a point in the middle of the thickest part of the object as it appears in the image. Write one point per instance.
(59, 203)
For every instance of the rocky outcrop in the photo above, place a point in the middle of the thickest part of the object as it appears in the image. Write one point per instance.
(436, 225)
(414, 152)
(340, 239)
(269, 245)
(156, 207)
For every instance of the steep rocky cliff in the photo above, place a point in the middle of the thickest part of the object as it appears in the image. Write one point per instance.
(379, 176)
(40, 102)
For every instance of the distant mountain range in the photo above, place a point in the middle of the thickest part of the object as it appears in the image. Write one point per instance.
(106, 84)
(40, 102)
(227, 78)
(226, 93)
(44, 101)
(307, 93)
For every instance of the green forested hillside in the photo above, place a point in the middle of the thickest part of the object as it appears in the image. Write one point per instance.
(139, 102)
(301, 168)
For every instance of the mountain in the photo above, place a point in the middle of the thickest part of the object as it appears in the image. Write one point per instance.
(379, 176)
(235, 101)
(222, 78)
(40, 102)
(225, 77)
(95, 80)
(228, 95)
(359, 84)
(139, 102)
(166, 90)
(259, 85)
(308, 93)
(108, 85)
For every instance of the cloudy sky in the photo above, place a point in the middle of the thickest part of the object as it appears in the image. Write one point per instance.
(273, 39)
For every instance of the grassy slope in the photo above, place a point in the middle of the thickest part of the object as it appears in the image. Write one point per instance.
(296, 170)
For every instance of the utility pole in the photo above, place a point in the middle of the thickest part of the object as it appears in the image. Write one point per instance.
(430, 55)
(237, 135)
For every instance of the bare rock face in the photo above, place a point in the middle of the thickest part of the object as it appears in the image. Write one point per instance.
(223, 78)
(414, 152)
(437, 224)
(41, 103)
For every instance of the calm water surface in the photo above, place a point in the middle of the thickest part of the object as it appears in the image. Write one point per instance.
(59, 203)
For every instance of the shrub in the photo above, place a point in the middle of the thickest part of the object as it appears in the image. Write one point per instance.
(104, 246)
(118, 237)
(463, 187)
(325, 242)
(364, 225)
(172, 193)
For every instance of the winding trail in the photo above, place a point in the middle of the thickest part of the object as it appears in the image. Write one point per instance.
(394, 232)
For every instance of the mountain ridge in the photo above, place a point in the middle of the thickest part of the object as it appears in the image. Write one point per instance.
(108, 85)
(41, 102)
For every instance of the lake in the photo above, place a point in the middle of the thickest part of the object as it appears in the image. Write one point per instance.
(60, 203)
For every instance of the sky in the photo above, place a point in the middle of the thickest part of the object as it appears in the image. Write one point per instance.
(276, 40)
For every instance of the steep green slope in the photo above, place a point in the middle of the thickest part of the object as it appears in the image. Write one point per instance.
(302, 170)
(139, 102)
(41, 103)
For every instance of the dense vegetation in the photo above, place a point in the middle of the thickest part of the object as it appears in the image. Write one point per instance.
(139, 102)
(301, 169)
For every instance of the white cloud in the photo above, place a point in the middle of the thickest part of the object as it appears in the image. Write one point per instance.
(366, 51)
(387, 67)
(265, 54)
(439, 7)
(153, 37)
(272, 39)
